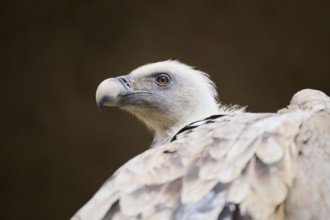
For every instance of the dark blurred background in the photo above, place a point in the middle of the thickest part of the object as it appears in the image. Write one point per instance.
(57, 148)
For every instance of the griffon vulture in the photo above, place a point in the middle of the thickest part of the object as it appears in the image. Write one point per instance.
(209, 161)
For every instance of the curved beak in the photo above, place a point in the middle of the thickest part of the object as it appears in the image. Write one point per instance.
(109, 92)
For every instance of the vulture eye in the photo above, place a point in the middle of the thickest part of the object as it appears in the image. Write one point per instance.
(163, 80)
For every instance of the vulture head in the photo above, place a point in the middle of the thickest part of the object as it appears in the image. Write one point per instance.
(166, 96)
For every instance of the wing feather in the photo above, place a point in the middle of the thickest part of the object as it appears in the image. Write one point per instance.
(240, 166)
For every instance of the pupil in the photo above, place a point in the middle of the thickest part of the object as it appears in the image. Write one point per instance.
(162, 80)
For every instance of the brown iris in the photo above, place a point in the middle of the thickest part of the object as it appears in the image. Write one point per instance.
(163, 80)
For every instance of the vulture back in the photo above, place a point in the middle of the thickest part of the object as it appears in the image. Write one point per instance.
(230, 166)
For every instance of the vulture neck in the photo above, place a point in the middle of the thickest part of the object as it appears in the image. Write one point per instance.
(165, 125)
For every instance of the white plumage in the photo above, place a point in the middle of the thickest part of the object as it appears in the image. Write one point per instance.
(213, 162)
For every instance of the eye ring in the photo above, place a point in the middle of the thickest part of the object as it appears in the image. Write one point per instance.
(163, 80)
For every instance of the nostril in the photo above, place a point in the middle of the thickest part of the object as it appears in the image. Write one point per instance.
(125, 82)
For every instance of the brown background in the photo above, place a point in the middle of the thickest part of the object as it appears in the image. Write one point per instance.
(57, 148)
